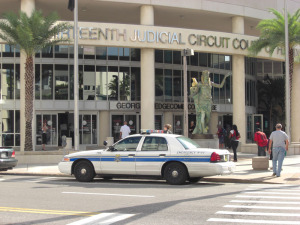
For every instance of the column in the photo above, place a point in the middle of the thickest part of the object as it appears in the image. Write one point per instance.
(238, 83)
(27, 6)
(168, 119)
(104, 126)
(295, 107)
(147, 74)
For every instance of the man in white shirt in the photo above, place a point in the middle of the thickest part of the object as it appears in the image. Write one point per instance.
(124, 131)
(280, 145)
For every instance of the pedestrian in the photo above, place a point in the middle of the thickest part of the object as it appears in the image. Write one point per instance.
(124, 131)
(221, 136)
(227, 137)
(192, 127)
(234, 137)
(44, 135)
(167, 129)
(280, 142)
(262, 142)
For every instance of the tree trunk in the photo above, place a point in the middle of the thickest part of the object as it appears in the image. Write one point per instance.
(291, 68)
(29, 79)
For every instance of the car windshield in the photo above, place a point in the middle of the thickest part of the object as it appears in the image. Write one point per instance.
(187, 142)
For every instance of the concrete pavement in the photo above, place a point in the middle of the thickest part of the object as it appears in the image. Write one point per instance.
(244, 172)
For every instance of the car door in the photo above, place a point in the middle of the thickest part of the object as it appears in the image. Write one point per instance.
(121, 158)
(153, 154)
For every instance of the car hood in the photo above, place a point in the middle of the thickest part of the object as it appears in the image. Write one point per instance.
(84, 153)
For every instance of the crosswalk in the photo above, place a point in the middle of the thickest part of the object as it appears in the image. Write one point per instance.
(262, 204)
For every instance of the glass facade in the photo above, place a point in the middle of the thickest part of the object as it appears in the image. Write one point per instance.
(113, 74)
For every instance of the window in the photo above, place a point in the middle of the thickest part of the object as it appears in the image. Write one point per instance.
(61, 82)
(187, 143)
(155, 144)
(47, 81)
(128, 144)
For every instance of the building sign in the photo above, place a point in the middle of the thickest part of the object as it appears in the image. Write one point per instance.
(164, 106)
(140, 36)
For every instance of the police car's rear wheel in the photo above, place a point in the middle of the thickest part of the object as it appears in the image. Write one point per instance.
(84, 171)
(175, 173)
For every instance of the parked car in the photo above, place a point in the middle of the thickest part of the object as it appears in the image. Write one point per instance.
(175, 158)
(7, 158)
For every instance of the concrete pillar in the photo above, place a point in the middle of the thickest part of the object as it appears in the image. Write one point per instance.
(295, 107)
(238, 83)
(213, 123)
(147, 75)
(27, 6)
(104, 122)
(168, 119)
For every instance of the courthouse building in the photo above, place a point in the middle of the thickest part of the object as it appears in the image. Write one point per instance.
(131, 68)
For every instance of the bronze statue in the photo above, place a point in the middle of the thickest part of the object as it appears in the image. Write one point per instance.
(201, 93)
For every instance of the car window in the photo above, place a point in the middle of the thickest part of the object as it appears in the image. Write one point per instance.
(128, 144)
(155, 144)
(188, 143)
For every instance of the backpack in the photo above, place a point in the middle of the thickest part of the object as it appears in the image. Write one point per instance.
(263, 138)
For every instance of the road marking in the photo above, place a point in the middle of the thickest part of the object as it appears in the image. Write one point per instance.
(278, 190)
(2, 180)
(103, 218)
(45, 211)
(265, 202)
(252, 221)
(107, 194)
(258, 214)
(261, 196)
(260, 207)
(269, 193)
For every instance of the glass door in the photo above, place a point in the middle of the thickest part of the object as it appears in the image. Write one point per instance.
(178, 124)
(51, 122)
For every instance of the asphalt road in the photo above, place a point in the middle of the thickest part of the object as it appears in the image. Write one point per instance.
(62, 200)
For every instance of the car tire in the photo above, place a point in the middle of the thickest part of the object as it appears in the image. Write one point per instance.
(84, 171)
(175, 174)
(194, 179)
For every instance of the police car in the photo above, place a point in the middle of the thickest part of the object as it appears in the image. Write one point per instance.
(175, 158)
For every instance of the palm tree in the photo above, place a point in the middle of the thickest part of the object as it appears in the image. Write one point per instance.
(30, 34)
(273, 36)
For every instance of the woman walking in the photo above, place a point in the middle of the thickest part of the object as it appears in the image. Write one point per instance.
(234, 136)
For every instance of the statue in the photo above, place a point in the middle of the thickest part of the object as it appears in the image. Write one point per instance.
(201, 93)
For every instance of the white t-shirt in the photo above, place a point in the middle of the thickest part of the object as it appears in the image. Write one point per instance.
(125, 131)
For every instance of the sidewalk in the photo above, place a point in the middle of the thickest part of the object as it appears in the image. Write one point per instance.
(243, 174)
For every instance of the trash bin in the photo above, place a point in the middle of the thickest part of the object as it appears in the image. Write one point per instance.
(110, 141)
(68, 143)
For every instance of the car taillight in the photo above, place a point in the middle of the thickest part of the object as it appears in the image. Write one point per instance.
(215, 157)
(13, 155)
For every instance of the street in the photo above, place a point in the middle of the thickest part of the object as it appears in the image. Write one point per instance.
(63, 200)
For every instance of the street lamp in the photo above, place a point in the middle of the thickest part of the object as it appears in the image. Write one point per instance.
(184, 54)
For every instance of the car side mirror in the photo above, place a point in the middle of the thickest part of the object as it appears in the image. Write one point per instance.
(105, 143)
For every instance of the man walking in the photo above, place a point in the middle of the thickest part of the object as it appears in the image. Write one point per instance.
(280, 145)
(262, 142)
(124, 131)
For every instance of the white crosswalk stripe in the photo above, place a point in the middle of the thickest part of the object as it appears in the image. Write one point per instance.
(103, 219)
(262, 204)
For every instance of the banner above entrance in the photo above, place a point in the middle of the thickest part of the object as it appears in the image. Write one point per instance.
(140, 36)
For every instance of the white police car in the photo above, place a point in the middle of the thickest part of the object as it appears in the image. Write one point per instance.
(175, 158)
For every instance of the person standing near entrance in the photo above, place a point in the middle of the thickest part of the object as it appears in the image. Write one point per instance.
(280, 145)
(262, 142)
(124, 131)
(234, 137)
(44, 135)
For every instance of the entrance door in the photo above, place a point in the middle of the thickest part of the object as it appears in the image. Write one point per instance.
(51, 121)
(254, 121)
(117, 122)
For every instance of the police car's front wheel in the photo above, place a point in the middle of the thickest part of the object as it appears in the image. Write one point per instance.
(175, 173)
(84, 171)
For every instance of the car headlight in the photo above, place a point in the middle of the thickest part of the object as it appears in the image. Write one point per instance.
(66, 159)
